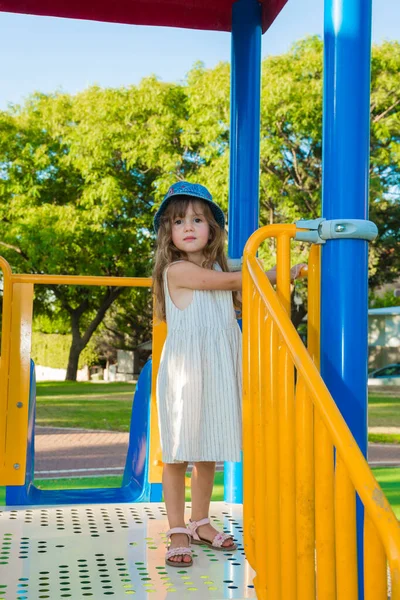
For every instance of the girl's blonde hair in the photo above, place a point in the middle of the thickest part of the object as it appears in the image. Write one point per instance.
(167, 252)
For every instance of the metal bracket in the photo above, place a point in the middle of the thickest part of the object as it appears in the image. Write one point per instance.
(320, 230)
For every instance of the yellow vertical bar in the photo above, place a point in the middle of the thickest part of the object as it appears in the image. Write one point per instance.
(271, 425)
(323, 449)
(283, 270)
(395, 580)
(305, 494)
(346, 534)
(375, 567)
(324, 512)
(261, 523)
(314, 304)
(251, 331)
(4, 362)
(18, 392)
(155, 466)
(287, 478)
(287, 473)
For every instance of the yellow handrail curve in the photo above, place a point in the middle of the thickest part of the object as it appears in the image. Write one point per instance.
(326, 558)
(5, 350)
(14, 374)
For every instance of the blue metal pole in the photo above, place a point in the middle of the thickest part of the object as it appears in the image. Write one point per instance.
(244, 155)
(344, 304)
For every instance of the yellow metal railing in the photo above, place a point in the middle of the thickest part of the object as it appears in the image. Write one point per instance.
(15, 366)
(302, 466)
(5, 352)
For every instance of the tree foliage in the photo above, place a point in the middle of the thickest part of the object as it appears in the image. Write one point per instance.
(77, 187)
(80, 175)
(127, 324)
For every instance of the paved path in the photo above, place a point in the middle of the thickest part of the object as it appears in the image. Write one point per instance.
(75, 452)
(78, 452)
(383, 455)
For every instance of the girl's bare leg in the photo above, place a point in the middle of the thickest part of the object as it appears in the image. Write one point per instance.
(174, 495)
(202, 485)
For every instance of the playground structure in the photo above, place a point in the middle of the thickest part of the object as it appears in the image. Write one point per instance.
(291, 480)
(305, 533)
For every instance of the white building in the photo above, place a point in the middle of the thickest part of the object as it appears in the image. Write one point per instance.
(383, 336)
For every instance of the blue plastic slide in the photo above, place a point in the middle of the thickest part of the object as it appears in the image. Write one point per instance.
(135, 486)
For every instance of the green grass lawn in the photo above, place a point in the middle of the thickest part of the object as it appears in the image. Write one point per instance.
(115, 481)
(79, 483)
(384, 438)
(383, 411)
(87, 405)
(389, 480)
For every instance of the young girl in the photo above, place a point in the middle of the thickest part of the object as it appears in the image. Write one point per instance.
(199, 384)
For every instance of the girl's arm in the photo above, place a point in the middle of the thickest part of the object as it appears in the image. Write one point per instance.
(187, 275)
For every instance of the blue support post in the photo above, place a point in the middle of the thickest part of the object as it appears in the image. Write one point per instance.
(244, 155)
(344, 305)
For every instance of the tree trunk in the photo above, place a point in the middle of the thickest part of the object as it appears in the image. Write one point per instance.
(80, 342)
(77, 346)
(73, 360)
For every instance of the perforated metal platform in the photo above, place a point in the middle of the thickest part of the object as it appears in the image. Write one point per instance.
(100, 551)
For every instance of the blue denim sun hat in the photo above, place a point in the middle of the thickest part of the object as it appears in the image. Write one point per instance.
(195, 190)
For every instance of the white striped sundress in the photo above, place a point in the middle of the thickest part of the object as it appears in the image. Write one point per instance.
(199, 384)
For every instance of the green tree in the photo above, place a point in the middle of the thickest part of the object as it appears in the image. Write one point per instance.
(76, 194)
(127, 325)
(79, 176)
(291, 144)
(385, 300)
(385, 162)
(291, 148)
(291, 141)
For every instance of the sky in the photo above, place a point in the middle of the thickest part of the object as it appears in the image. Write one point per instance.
(48, 54)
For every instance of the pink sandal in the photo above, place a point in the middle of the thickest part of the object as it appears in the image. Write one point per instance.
(218, 540)
(181, 551)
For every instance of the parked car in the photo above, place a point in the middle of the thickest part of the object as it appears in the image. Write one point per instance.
(389, 375)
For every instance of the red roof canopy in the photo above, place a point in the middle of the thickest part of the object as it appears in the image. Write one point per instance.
(190, 14)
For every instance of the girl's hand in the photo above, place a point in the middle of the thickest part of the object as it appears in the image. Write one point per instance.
(295, 272)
